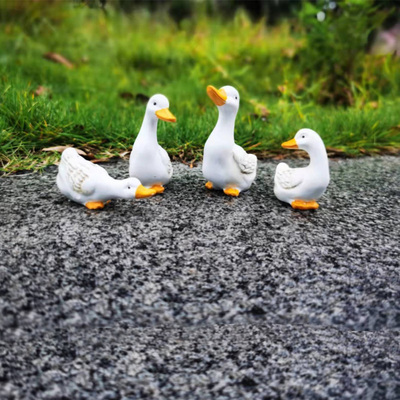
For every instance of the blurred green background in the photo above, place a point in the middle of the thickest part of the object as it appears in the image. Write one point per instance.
(80, 72)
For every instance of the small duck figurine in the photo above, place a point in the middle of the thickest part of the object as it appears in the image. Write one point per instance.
(149, 162)
(89, 184)
(226, 166)
(302, 187)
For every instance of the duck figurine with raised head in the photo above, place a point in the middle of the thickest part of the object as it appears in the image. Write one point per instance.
(302, 187)
(227, 166)
(149, 162)
(89, 184)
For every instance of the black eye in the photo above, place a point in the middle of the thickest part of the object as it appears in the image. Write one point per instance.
(129, 187)
(236, 97)
(155, 103)
(303, 137)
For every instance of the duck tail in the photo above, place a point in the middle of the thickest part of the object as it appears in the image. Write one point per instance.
(280, 168)
(69, 153)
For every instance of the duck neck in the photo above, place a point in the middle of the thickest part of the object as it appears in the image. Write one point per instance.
(319, 159)
(148, 130)
(114, 188)
(225, 126)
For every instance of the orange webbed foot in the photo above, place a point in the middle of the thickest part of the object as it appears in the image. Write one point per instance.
(232, 192)
(95, 205)
(158, 188)
(304, 205)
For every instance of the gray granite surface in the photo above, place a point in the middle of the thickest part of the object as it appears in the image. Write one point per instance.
(192, 294)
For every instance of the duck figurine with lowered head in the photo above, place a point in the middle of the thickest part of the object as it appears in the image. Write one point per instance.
(227, 166)
(89, 184)
(149, 162)
(302, 187)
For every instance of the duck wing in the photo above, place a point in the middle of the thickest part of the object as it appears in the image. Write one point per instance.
(246, 162)
(80, 171)
(165, 160)
(286, 177)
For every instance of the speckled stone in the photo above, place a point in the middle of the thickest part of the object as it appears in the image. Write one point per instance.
(192, 294)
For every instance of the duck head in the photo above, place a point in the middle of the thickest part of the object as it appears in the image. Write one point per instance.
(305, 139)
(132, 188)
(226, 98)
(158, 105)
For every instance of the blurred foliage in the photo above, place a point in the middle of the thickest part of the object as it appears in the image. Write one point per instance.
(295, 74)
(335, 51)
(272, 11)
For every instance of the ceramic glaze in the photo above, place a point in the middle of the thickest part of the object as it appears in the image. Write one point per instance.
(89, 184)
(149, 162)
(302, 187)
(227, 166)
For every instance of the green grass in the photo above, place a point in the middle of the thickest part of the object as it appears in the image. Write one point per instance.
(148, 54)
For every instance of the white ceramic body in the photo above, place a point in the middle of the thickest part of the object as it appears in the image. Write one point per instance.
(220, 163)
(312, 187)
(82, 181)
(314, 179)
(220, 167)
(149, 162)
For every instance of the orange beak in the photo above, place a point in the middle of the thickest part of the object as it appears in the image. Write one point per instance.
(142, 192)
(218, 96)
(166, 115)
(290, 144)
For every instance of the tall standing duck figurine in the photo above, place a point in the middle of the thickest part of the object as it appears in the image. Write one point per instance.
(89, 184)
(149, 162)
(302, 187)
(226, 165)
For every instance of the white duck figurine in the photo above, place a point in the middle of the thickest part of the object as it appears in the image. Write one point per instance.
(149, 162)
(302, 187)
(89, 184)
(226, 165)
